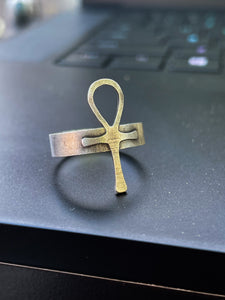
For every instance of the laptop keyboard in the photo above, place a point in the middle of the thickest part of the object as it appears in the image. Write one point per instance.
(155, 41)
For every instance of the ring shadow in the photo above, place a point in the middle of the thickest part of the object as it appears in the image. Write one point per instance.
(99, 196)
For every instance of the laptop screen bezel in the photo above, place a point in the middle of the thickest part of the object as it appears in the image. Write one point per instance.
(160, 3)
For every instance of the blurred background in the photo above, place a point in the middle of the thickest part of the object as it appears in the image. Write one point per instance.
(17, 15)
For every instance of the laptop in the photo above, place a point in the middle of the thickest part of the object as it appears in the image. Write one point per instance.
(62, 214)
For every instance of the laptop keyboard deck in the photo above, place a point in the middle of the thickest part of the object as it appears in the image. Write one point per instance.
(155, 41)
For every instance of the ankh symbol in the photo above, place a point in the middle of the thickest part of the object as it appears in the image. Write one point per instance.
(109, 138)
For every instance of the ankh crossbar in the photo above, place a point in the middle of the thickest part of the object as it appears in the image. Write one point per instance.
(109, 138)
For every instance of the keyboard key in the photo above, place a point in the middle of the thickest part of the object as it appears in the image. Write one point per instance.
(198, 51)
(210, 22)
(193, 38)
(200, 64)
(185, 29)
(156, 17)
(193, 18)
(113, 35)
(84, 60)
(106, 44)
(120, 50)
(143, 39)
(140, 62)
(136, 37)
(184, 43)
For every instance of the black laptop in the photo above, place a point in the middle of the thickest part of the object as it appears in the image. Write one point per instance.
(62, 214)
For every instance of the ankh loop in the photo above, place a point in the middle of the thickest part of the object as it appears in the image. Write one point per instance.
(109, 138)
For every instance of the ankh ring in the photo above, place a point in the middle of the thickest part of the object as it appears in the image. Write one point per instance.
(107, 138)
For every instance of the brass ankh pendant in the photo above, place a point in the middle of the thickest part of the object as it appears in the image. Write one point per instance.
(109, 138)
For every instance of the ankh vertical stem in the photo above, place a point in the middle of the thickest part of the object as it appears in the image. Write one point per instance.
(120, 184)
